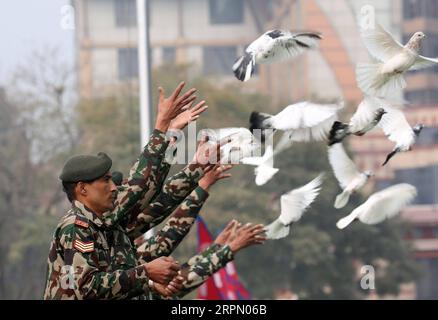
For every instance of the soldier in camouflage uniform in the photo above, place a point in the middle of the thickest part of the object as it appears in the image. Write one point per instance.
(200, 267)
(91, 255)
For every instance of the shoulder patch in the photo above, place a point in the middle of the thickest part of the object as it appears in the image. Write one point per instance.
(81, 223)
(83, 246)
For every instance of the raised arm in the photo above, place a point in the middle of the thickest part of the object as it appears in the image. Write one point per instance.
(181, 221)
(174, 191)
(147, 173)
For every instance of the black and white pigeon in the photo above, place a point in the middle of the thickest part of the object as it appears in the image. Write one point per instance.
(367, 116)
(381, 205)
(397, 129)
(272, 46)
(293, 205)
(384, 76)
(345, 171)
(302, 122)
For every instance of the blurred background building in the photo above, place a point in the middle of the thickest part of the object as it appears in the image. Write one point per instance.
(209, 35)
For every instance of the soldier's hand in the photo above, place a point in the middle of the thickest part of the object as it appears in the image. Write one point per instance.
(171, 107)
(191, 114)
(173, 288)
(162, 270)
(245, 236)
(213, 174)
(208, 153)
(225, 234)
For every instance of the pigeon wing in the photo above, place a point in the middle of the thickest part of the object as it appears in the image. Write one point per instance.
(295, 202)
(396, 127)
(364, 114)
(343, 167)
(292, 44)
(380, 43)
(424, 62)
(387, 203)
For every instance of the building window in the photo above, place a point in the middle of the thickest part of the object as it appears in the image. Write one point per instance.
(219, 60)
(422, 97)
(425, 179)
(169, 55)
(420, 8)
(127, 63)
(428, 136)
(125, 13)
(226, 11)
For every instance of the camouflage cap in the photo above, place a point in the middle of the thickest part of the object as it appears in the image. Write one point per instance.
(85, 167)
(117, 177)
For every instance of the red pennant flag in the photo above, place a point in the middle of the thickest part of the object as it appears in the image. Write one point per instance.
(224, 284)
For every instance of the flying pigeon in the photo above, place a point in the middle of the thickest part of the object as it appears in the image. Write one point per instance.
(240, 143)
(385, 76)
(264, 170)
(381, 205)
(398, 130)
(272, 46)
(367, 116)
(303, 122)
(345, 171)
(293, 205)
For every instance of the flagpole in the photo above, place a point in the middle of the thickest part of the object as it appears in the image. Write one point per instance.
(144, 76)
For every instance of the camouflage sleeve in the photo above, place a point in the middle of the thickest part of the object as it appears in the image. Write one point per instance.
(202, 266)
(89, 281)
(144, 177)
(172, 194)
(176, 228)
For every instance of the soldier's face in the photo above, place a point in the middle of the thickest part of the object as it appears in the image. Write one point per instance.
(101, 194)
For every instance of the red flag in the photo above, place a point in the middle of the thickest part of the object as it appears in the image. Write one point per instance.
(224, 284)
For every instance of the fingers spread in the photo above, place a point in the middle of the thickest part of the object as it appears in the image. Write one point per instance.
(177, 91)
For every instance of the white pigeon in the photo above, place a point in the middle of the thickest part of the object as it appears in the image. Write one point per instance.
(264, 170)
(240, 143)
(293, 205)
(385, 76)
(272, 46)
(397, 129)
(381, 205)
(303, 121)
(345, 171)
(367, 116)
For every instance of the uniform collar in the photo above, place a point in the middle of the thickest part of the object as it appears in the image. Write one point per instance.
(88, 213)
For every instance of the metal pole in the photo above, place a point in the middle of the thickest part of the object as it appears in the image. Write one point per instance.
(144, 75)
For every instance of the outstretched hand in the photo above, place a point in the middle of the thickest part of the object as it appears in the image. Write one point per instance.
(169, 108)
(214, 173)
(190, 114)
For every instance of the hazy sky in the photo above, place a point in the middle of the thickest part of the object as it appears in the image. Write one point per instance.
(27, 25)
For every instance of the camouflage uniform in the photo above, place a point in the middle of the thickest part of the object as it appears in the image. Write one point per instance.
(92, 257)
(200, 267)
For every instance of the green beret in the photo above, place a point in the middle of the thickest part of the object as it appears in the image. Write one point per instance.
(85, 167)
(117, 177)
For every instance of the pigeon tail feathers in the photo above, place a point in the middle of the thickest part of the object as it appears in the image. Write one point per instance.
(277, 230)
(372, 81)
(243, 68)
(342, 199)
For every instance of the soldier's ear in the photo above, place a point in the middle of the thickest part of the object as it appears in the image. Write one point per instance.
(81, 189)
